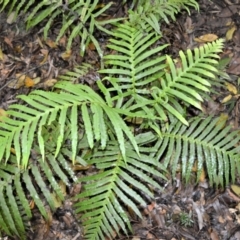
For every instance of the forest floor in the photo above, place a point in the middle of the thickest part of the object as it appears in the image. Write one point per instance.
(190, 212)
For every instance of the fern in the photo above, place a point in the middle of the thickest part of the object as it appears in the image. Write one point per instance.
(41, 138)
(48, 107)
(117, 183)
(152, 12)
(205, 142)
(143, 86)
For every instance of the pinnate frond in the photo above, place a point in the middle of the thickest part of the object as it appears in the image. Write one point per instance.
(45, 107)
(205, 143)
(118, 184)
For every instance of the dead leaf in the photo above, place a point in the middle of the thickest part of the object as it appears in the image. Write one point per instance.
(227, 98)
(51, 43)
(49, 82)
(231, 88)
(213, 234)
(235, 189)
(206, 38)
(230, 32)
(11, 18)
(22, 81)
(66, 55)
(29, 82)
(45, 55)
(8, 41)
(91, 46)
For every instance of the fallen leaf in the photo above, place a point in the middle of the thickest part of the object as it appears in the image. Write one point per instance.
(91, 46)
(49, 82)
(45, 55)
(213, 234)
(206, 38)
(231, 88)
(29, 82)
(66, 55)
(11, 18)
(51, 43)
(236, 189)
(230, 32)
(22, 81)
(227, 98)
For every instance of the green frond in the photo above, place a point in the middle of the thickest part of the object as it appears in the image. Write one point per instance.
(204, 143)
(19, 187)
(153, 12)
(46, 107)
(118, 184)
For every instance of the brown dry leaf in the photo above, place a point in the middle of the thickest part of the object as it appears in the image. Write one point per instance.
(227, 98)
(29, 82)
(45, 55)
(51, 43)
(32, 204)
(3, 114)
(206, 38)
(214, 234)
(202, 177)
(49, 82)
(8, 41)
(66, 55)
(23, 80)
(230, 32)
(231, 88)
(18, 82)
(36, 80)
(91, 46)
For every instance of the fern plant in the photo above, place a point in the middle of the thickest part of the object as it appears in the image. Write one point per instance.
(41, 139)
(152, 12)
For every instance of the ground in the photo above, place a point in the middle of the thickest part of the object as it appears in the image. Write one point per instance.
(180, 211)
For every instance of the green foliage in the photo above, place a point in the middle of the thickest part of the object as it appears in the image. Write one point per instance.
(42, 138)
(149, 13)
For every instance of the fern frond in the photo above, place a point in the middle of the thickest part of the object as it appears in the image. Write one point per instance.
(152, 12)
(204, 142)
(117, 184)
(46, 107)
(15, 209)
(135, 77)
